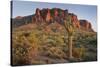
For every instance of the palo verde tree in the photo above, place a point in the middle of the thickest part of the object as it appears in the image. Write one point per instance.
(69, 27)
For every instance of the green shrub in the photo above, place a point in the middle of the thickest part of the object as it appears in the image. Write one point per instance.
(24, 48)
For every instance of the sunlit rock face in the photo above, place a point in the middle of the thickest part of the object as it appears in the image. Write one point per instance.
(55, 15)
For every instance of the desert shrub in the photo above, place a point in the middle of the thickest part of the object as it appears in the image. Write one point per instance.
(90, 56)
(79, 52)
(55, 40)
(24, 48)
(55, 52)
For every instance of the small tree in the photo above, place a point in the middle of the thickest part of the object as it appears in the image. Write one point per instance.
(70, 31)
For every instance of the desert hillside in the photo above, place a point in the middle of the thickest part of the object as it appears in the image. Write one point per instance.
(43, 38)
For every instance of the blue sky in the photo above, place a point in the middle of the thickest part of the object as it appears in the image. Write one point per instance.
(88, 12)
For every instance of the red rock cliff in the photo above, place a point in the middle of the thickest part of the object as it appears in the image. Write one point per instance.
(58, 15)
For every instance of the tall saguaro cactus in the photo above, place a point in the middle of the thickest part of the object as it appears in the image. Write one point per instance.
(70, 31)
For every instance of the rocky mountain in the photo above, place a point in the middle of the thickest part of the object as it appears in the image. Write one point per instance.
(85, 25)
(48, 16)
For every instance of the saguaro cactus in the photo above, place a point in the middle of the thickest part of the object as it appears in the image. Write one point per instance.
(70, 31)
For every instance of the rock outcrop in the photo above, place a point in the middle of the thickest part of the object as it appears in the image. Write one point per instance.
(85, 25)
(54, 15)
(18, 17)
